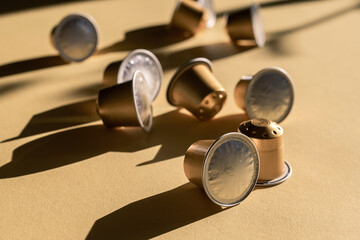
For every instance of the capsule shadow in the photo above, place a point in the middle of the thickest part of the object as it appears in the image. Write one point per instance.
(17, 5)
(148, 38)
(155, 215)
(31, 65)
(174, 131)
(58, 118)
(267, 5)
(13, 86)
(212, 52)
(277, 40)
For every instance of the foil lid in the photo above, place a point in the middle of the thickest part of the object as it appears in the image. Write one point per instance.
(227, 168)
(149, 65)
(76, 37)
(269, 94)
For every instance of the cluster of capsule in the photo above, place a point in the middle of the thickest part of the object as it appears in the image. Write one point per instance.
(229, 167)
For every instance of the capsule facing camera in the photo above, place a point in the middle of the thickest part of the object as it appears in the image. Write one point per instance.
(76, 37)
(268, 94)
(137, 60)
(226, 168)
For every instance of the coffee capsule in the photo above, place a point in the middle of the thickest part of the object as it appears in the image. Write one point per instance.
(268, 138)
(209, 6)
(75, 37)
(126, 104)
(245, 27)
(139, 59)
(268, 94)
(195, 88)
(226, 168)
(189, 17)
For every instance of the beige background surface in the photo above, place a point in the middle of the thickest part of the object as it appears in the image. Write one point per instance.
(64, 176)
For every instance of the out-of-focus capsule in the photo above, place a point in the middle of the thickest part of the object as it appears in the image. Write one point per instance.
(75, 37)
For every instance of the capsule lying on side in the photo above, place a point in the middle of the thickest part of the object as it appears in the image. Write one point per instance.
(226, 168)
(195, 88)
(126, 104)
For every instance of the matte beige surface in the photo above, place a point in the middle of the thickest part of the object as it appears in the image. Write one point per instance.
(64, 176)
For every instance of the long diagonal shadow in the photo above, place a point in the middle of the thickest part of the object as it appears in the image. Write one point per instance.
(277, 39)
(148, 37)
(13, 86)
(31, 65)
(174, 131)
(267, 5)
(212, 52)
(17, 5)
(59, 118)
(156, 215)
(320, 20)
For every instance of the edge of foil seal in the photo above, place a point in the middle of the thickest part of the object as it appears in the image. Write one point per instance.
(259, 75)
(255, 172)
(156, 80)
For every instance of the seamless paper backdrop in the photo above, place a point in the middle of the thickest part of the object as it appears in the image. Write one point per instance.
(64, 176)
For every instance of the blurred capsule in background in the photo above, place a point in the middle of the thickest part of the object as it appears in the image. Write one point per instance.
(189, 18)
(246, 27)
(76, 37)
(209, 6)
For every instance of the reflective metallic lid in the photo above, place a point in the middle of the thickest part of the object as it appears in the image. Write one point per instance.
(142, 101)
(257, 25)
(76, 37)
(270, 95)
(148, 64)
(209, 6)
(230, 170)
